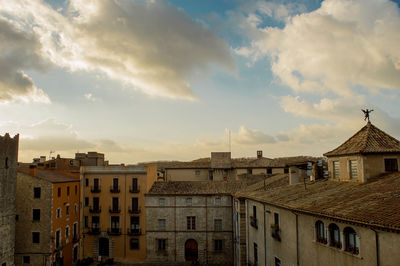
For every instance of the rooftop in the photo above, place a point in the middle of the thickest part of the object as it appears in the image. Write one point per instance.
(375, 203)
(368, 139)
(50, 175)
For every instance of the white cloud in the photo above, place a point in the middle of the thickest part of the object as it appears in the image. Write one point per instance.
(340, 45)
(248, 136)
(148, 45)
(91, 98)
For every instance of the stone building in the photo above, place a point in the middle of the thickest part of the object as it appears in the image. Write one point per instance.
(220, 166)
(47, 227)
(328, 221)
(113, 211)
(8, 181)
(190, 221)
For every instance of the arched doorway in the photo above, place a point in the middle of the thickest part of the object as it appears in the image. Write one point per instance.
(103, 247)
(191, 250)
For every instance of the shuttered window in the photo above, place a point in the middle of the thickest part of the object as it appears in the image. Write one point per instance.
(353, 169)
(336, 170)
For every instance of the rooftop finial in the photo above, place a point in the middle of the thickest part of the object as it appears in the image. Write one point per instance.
(366, 113)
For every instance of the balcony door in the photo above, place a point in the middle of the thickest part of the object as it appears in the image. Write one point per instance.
(115, 204)
(135, 204)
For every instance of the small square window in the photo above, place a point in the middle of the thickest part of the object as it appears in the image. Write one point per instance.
(161, 224)
(162, 202)
(36, 192)
(27, 259)
(197, 172)
(161, 244)
(218, 201)
(36, 215)
(391, 165)
(134, 243)
(218, 245)
(35, 237)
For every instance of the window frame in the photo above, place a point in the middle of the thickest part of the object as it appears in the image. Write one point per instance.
(37, 213)
(36, 191)
(191, 223)
(35, 236)
(218, 245)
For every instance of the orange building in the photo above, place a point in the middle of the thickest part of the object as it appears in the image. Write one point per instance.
(113, 211)
(47, 227)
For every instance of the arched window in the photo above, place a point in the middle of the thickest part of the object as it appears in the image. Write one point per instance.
(321, 234)
(334, 236)
(351, 240)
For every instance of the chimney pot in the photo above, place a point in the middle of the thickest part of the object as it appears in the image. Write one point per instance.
(259, 154)
(32, 169)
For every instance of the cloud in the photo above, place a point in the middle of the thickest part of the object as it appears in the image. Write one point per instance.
(19, 51)
(91, 98)
(337, 47)
(252, 137)
(148, 45)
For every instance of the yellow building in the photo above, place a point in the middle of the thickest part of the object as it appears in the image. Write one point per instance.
(112, 213)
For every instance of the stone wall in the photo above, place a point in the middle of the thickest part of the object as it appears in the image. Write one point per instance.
(8, 180)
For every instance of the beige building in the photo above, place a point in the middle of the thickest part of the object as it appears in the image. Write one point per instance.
(328, 221)
(8, 177)
(113, 211)
(190, 221)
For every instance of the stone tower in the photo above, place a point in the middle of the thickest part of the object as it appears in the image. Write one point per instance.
(8, 181)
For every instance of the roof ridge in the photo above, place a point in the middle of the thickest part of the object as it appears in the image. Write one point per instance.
(367, 136)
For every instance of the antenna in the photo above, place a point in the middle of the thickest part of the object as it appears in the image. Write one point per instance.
(51, 152)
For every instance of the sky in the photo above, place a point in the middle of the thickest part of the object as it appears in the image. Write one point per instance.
(144, 80)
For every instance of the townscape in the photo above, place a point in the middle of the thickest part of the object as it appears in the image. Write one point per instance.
(339, 209)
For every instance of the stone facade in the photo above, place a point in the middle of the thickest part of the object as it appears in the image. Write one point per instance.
(8, 180)
(212, 234)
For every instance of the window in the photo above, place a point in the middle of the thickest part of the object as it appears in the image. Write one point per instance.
(250, 171)
(255, 253)
(135, 204)
(286, 170)
(36, 194)
(336, 170)
(36, 215)
(161, 201)
(75, 253)
(161, 224)
(76, 190)
(27, 259)
(189, 201)
(135, 187)
(191, 222)
(218, 201)
(115, 185)
(277, 262)
(68, 191)
(197, 172)
(134, 243)
(67, 232)
(67, 210)
(58, 213)
(86, 221)
(211, 175)
(35, 237)
(351, 240)
(86, 182)
(320, 232)
(95, 221)
(59, 192)
(96, 203)
(218, 244)
(353, 169)
(276, 218)
(114, 222)
(217, 224)
(75, 208)
(86, 201)
(334, 234)
(269, 170)
(161, 244)
(58, 238)
(391, 165)
(135, 222)
(75, 232)
(254, 212)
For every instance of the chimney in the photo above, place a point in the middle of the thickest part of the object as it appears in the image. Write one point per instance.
(32, 169)
(259, 154)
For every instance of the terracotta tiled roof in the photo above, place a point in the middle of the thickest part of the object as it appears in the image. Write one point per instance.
(196, 187)
(51, 176)
(376, 203)
(369, 139)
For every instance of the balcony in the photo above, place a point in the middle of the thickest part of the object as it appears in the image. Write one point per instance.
(115, 189)
(134, 210)
(134, 231)
(114, 231)
(135, 189)
(254, 222)
(276, 232)
(96, 209)
(95, 189)
(114, 209)
(94, 230)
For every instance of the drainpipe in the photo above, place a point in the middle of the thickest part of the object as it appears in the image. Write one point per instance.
(234, 226)
(175, 225)
(247, 233)
(265, 234)
(124, 214)
(376, 246)
(297, 238)
(206, 231)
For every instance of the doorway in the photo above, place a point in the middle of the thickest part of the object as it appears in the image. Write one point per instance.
(103, 247)
(191, 250)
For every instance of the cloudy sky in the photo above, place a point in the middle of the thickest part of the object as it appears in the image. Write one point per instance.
(148, 80)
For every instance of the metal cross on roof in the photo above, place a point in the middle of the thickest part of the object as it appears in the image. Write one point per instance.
(366, 113)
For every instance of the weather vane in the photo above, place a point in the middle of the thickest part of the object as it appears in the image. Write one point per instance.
(366, 113)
